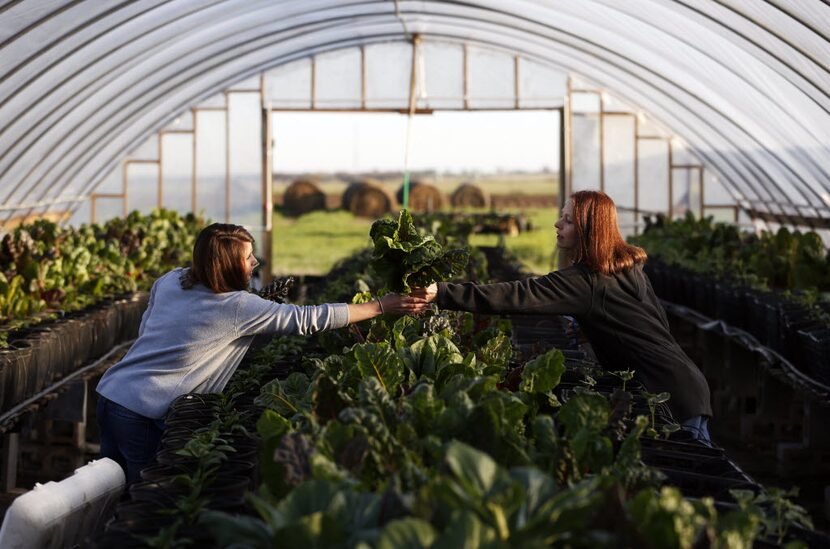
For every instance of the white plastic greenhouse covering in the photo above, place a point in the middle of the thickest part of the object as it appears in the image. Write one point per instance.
(743, 84)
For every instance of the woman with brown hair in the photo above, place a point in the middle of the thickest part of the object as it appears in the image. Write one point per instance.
(603, 286)
(198, 325)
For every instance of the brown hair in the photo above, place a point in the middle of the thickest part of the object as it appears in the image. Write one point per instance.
(600, 246)
(218, 259)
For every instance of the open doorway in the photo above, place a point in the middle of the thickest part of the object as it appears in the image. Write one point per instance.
(511, 156)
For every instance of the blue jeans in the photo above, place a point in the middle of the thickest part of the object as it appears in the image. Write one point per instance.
(698, 426)
(128, 438)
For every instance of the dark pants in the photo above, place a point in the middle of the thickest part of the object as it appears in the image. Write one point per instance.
(128, 438)
(698, 426)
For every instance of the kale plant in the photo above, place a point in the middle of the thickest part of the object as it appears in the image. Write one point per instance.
(404, 257)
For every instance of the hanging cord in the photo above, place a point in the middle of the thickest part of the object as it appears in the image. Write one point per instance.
(414, 88)
(406, 162)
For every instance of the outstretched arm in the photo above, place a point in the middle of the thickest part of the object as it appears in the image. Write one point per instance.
(390, 303)
(256, 315)
(562, 292)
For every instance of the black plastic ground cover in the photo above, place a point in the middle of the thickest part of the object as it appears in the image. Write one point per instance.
(42, 354)
(775, 364)
(775, 321)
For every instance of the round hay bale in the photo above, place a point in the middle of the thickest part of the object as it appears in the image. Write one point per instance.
(351, 190)
(468, 195)
(367, 199)
(423, 197)
(303, 196)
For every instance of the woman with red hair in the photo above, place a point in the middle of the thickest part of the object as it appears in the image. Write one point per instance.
(603, 286)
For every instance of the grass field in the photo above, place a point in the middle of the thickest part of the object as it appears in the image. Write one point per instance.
(311, 244)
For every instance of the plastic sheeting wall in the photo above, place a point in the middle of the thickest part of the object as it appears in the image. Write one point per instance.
(745, 84)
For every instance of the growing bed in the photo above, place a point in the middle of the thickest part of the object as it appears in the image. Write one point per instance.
(448, 430)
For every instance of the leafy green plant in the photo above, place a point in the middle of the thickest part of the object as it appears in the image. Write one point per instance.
(653, 399)
(415, 437)
(404, 257)
(624, 375)
(44, 267)
(543, 373)
(777, 512)
(782, 260)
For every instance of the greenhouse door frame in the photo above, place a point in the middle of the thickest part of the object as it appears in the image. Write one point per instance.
(268, 151)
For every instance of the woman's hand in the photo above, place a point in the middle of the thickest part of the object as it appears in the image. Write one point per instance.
(403, 304)
(391, 303)
(428, 294)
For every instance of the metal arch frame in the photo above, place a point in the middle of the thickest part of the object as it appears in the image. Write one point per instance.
(789, 14)
(782, 63)
(232, 79)
(30, 61)
(807, 186)
(159, 65)
(810, 189)
(630, 60)
(707, 105)
(675, 0)
(704, 12)
(612, 86)
(822, 175)
(196, 69)
(819, 174)
(735, 148)
(164, 116)
(165, 25)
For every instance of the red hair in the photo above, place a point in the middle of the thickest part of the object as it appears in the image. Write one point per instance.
(600, 246)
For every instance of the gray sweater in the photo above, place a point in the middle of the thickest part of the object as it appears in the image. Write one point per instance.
(193, 340)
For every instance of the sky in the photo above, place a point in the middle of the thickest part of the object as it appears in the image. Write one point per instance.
(482, 141)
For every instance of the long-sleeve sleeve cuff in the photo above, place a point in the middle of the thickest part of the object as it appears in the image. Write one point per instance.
(340, 314)
(441, 296)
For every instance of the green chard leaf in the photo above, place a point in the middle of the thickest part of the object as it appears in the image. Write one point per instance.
(542, 374)
(497, 352)
(407, 533)
(379, 361)
(288, 397)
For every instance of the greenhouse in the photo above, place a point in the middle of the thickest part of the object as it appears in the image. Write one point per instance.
(398, 273)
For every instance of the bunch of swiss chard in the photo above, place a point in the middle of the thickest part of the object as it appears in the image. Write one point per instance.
(405, 257)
